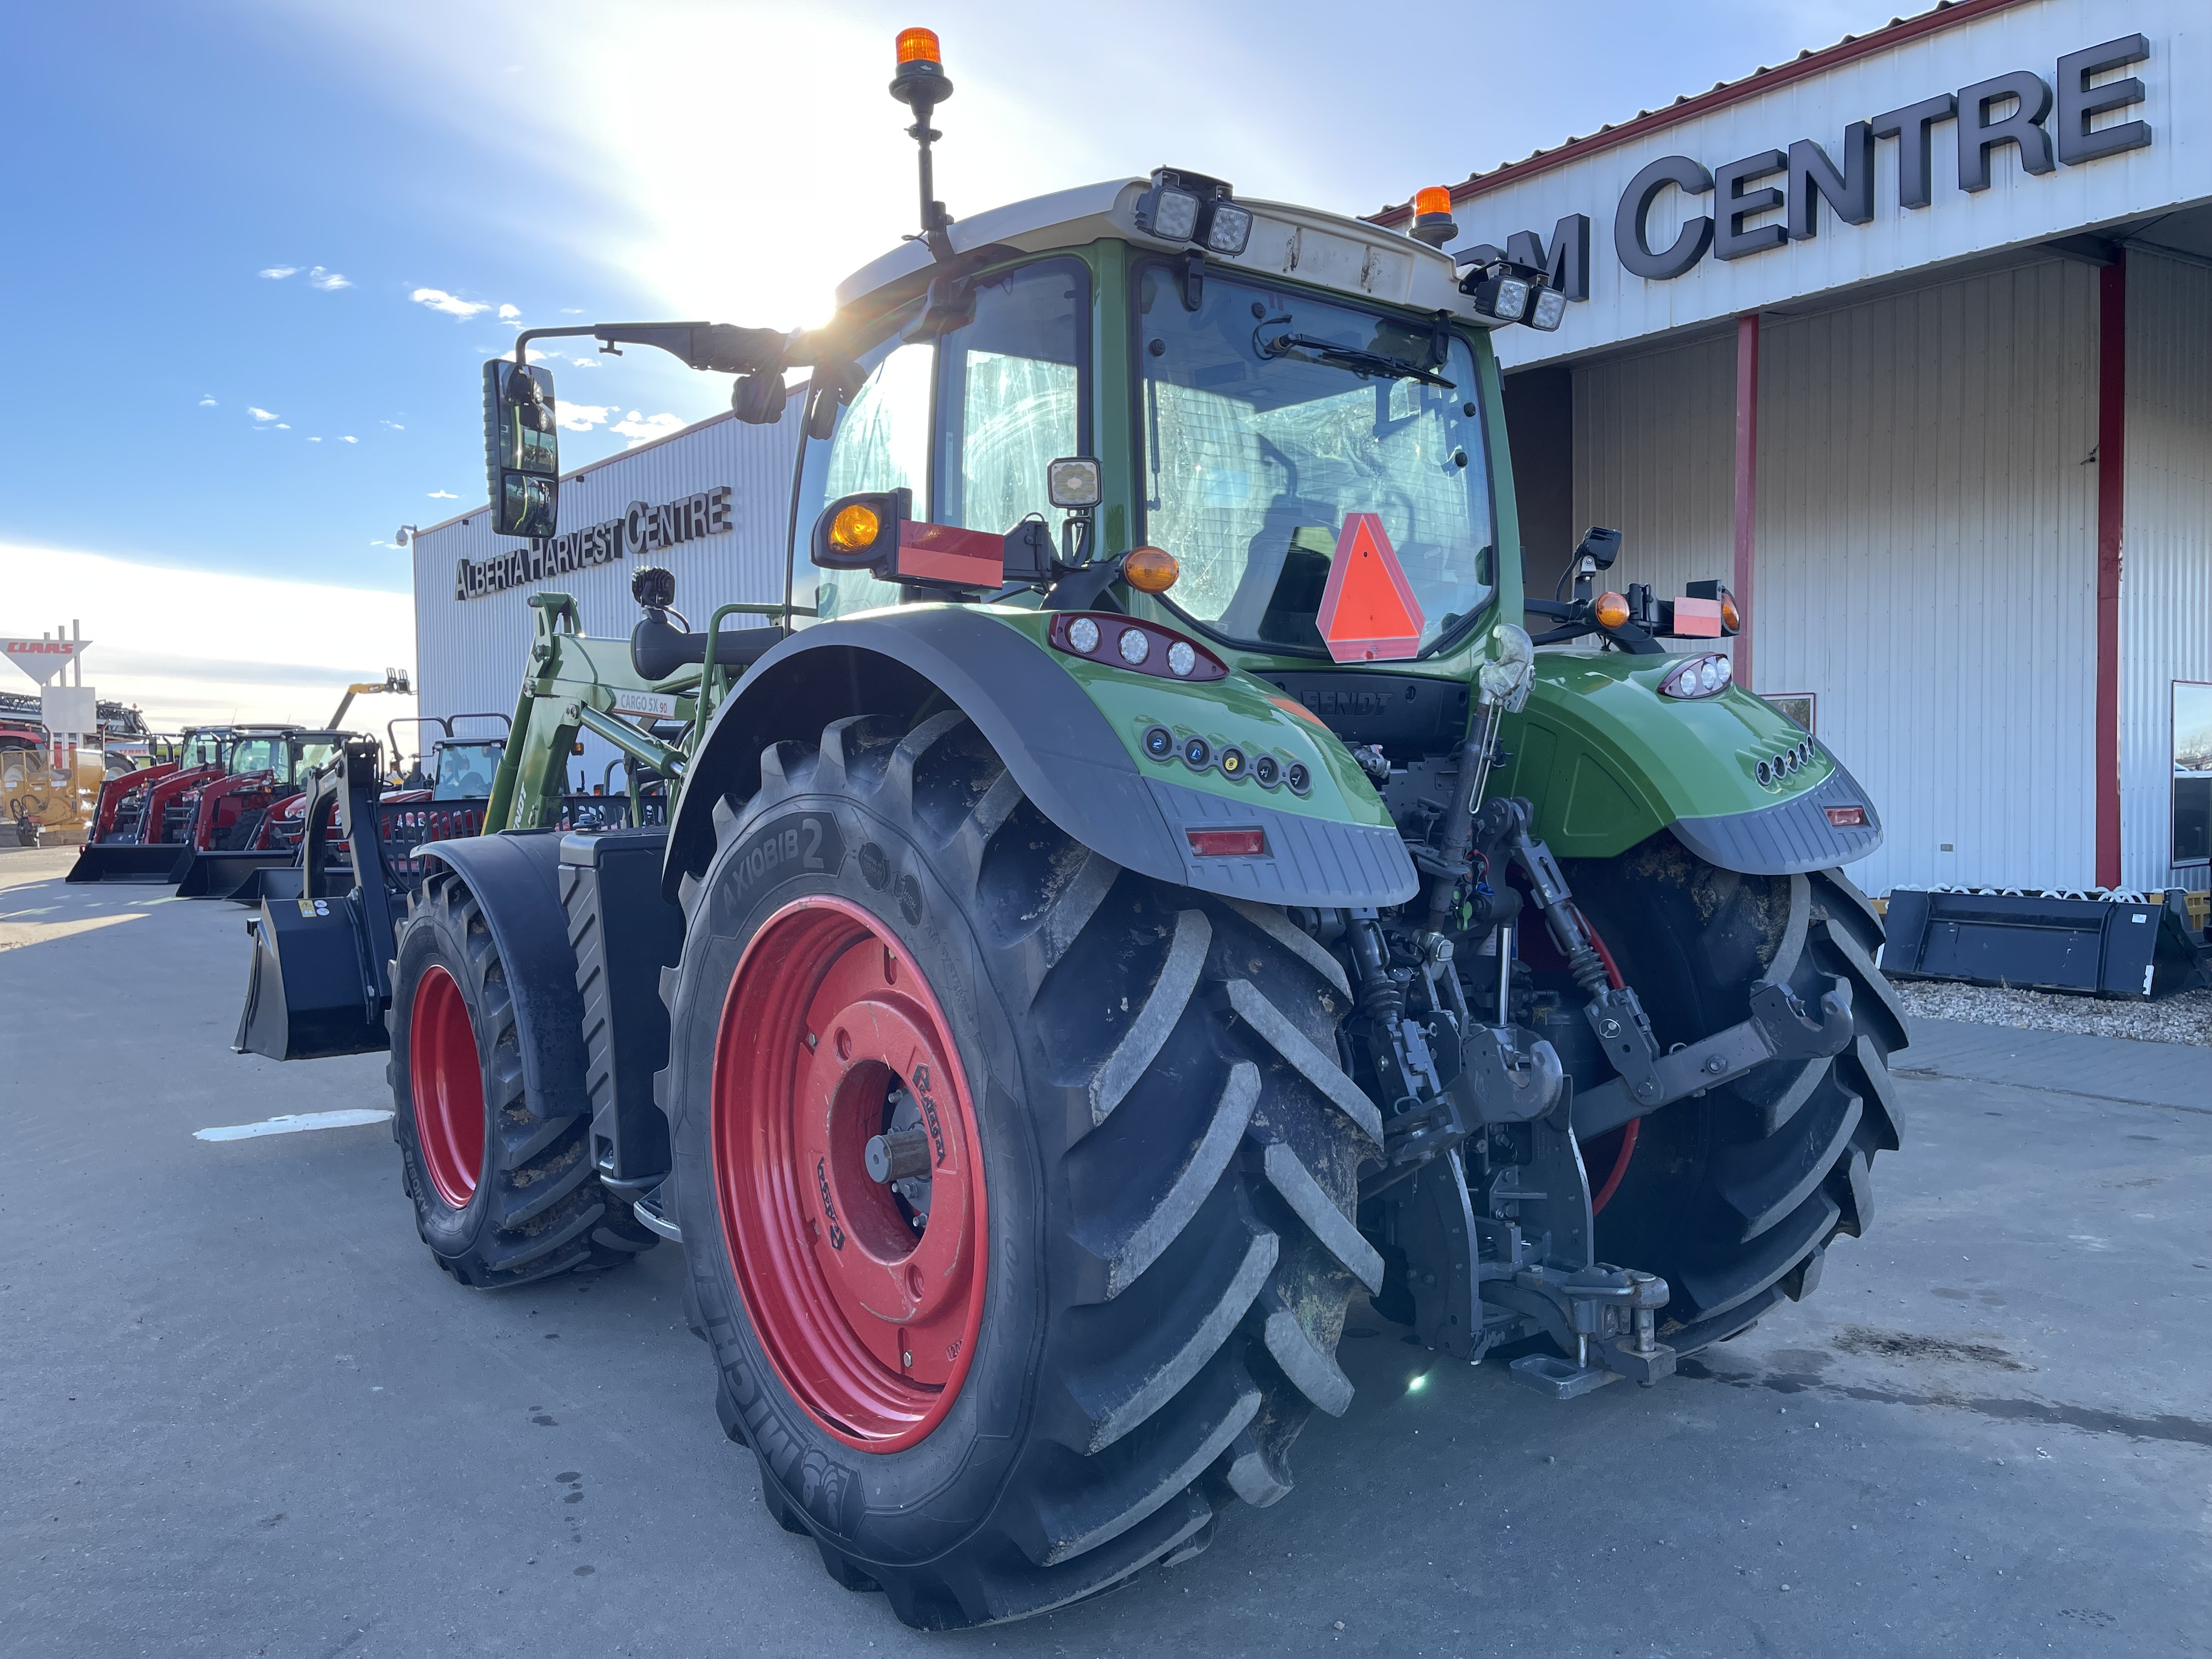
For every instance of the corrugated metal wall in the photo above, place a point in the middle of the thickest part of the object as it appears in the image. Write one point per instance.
(1654, 459)
(2165, 547)
(1927, 547)
(470, 653)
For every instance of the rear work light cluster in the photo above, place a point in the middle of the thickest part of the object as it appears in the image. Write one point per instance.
(1787, 763)
(1705, 675)
(1142, 648)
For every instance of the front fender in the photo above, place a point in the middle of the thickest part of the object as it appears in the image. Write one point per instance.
(1070, 733)
(1606, 762)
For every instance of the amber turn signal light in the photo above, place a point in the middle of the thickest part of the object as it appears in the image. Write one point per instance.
(854, 529)
(1731, 618)
(918, 45)
(1151, 570)
(1611, 610)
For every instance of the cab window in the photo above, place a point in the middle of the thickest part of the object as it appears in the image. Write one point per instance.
(968, 421)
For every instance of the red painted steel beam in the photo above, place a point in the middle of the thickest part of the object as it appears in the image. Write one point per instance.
(2111, 503)
(1742, 575)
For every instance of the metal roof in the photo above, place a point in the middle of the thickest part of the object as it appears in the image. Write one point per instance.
(1946, 14)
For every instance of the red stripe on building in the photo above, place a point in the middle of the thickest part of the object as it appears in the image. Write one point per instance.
(2112, 502)
(1743, 572)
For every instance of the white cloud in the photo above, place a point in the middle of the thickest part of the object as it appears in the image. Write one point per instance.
(508, 313)
(644, 429)
(585, 362)
(582, 417)
(207, 401)
(536, 356)
(259, 414)
(326, 280)
(278, 273)
(443, 496)
(348, 440)
(283, 426)
(168, 639)
(438, 300)
(394, 425)
(314, 440)
(572, 311)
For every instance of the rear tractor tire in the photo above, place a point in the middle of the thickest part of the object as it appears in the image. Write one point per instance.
(1734, 1196)
(504, 1188)
(1094, 1286)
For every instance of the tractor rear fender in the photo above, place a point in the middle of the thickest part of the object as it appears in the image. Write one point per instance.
(1071, 733)
(515, 877)
(1607, 762)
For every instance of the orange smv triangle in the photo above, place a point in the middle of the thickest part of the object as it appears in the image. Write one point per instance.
(1368, 610)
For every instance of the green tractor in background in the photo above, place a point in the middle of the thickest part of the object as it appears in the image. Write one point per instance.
(1139, 890)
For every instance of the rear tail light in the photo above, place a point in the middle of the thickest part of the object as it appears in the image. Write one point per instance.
(1227, 843)
(1847, 817)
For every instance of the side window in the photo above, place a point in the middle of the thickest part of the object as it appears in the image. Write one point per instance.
(1009, 395)
(1007, 388)
(882, 443)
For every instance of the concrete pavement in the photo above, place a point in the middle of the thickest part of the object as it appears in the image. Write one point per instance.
(246, 1414)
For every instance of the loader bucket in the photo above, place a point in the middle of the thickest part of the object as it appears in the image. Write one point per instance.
(223, 875)
(312, 991)
(126, 861)
(284, 881)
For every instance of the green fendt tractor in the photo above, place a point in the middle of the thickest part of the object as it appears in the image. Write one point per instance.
(1139, 890)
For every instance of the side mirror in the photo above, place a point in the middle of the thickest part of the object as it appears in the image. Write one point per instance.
(522, 449)
(1600, 547)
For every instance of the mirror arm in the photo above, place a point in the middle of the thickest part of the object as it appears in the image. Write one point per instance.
(719, 348)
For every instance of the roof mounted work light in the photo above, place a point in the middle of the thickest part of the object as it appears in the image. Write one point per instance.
(1190, 207)
(1507, 291)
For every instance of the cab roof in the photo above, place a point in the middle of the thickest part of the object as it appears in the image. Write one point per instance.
(1326, 250)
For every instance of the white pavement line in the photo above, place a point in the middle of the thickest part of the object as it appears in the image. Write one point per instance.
(293, 1124)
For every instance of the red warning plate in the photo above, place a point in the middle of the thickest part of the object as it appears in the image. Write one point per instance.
(1368, 610)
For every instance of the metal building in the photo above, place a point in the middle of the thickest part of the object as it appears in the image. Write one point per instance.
(711, 504)
(1911, 338)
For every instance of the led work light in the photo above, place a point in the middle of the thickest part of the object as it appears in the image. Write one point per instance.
(1190, 207)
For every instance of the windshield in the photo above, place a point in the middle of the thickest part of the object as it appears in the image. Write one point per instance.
(1268, 417)
(308, 756)
(465, 770)
(256, 754)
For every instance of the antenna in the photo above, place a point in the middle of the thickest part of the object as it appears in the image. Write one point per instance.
(922, 86)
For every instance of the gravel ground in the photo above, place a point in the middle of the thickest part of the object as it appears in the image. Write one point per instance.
(2184, 1019)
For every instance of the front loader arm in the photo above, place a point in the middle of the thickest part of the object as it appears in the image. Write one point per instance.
(574, 683)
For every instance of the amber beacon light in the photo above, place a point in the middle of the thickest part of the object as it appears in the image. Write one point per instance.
(1433, 216)
(918, 46)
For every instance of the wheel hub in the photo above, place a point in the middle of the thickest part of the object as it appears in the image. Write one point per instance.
(848, 1172)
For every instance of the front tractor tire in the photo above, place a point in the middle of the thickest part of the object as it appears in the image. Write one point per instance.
(1093, 1285)
(501, 1179)
(1734, 1195)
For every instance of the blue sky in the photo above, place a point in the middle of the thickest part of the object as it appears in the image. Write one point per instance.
(431, 176)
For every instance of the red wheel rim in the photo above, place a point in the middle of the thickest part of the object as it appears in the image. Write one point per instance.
(869, 1320)
(448, 1079)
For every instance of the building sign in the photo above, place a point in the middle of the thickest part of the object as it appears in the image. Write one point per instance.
(42, 659)
(2044, 126)
(643, 528)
